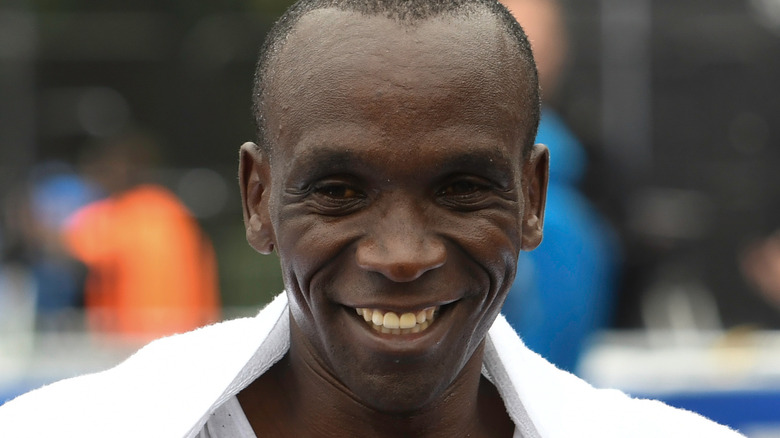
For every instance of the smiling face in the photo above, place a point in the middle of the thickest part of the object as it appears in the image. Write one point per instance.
(396, 195)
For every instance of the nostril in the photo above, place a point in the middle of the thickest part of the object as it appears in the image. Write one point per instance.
(404, 272)
(401, 262)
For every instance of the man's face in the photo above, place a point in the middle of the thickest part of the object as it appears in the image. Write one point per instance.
(396, 195)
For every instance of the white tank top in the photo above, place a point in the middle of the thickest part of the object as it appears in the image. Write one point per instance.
(228, 421)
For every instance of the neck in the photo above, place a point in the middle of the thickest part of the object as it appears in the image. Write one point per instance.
(447, 415)
(306, 400)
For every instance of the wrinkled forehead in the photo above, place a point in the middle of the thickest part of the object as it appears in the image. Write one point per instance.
(328, 46)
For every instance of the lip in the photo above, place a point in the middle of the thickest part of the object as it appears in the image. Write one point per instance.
(400, 345)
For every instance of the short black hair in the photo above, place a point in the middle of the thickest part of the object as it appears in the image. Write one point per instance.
(404, 11)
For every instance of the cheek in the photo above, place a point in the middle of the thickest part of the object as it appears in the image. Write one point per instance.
(307, 244)
(493, 240)
(493, 243)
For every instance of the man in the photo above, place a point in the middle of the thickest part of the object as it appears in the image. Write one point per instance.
(397, 180)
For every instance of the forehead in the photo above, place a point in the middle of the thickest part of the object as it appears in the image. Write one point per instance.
(324, 33)
(337, 63)
(324, 40)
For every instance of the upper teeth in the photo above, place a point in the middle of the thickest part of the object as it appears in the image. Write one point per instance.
(391, 322)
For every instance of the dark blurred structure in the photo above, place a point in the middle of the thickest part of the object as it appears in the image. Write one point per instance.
(676, 102)
(76, 72)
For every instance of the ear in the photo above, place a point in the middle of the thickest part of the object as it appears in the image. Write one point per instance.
(254, 178)
(536, 171)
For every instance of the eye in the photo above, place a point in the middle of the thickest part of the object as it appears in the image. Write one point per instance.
(460, 188)
(336, 191)
(335, 197)
(466, 193)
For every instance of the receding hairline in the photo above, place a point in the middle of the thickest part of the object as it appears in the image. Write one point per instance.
(395, 10)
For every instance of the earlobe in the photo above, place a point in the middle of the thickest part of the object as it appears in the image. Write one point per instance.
(254, 180)
(535, 177)
(258, 235)
(532, 233)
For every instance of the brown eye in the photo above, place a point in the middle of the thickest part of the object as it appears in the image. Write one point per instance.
(460, 188)
(337, 191)
(466, 193)
(336, 196)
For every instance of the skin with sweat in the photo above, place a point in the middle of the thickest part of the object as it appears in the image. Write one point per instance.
(396, 183)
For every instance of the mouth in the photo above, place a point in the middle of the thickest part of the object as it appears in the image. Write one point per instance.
(389, 322)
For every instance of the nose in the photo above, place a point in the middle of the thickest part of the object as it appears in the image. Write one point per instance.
(401, 246)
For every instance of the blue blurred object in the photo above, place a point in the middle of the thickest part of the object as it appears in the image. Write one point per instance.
(55, 196)
(10, 392)
(744, 410)
(564, 289)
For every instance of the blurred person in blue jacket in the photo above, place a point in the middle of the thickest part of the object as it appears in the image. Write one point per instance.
(36, 211)
(57, 192)
(568, 290)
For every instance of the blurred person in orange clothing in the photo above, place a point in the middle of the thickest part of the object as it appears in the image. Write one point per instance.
(152, 271)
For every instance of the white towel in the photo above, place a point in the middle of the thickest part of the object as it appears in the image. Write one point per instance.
(163, 390)
(561, 405)
(170, 387)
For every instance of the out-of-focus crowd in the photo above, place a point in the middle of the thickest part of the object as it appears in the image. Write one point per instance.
(95, 247)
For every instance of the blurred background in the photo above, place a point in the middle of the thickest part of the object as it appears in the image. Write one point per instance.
(114, 107)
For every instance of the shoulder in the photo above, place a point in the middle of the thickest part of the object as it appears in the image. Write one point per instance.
(560, 404)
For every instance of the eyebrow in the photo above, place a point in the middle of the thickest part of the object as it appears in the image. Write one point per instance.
(325, 160)
(493, 164)
(488, 160)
